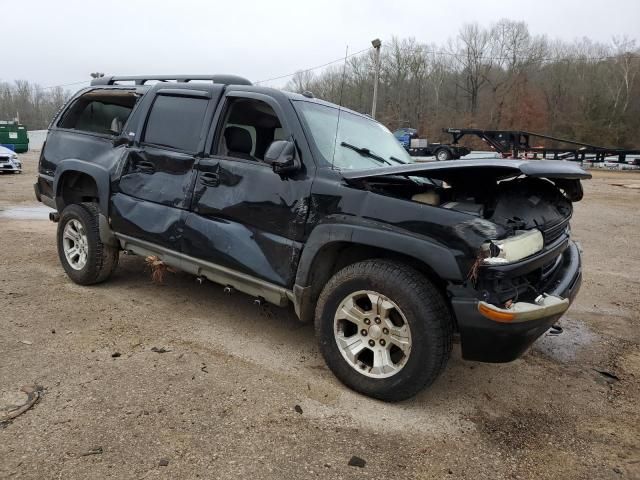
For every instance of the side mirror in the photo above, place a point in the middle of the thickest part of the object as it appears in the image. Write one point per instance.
(281, 155)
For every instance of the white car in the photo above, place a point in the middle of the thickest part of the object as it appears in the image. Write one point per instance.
(9, 161)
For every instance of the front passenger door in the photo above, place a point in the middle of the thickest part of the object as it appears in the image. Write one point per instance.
(244, 216)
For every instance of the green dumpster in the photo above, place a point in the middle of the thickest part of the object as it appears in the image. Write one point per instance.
(14, 136)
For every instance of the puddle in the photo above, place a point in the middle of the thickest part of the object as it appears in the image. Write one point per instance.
(39, 212)
(566, 346)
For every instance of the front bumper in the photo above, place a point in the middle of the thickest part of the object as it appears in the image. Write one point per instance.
(6, 166)
(489, 340)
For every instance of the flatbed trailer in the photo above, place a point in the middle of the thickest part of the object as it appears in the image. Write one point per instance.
(419, 147)
(517, 144)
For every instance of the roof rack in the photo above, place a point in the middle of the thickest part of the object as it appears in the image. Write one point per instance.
(143, 79)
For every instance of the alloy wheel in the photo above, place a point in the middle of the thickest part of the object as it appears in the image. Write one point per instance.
(372, 334)
(75, 244)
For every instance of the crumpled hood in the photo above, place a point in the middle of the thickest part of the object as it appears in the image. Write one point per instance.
(495, 169)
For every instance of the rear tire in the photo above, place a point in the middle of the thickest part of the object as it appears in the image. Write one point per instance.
(410, 320)
(84, 257)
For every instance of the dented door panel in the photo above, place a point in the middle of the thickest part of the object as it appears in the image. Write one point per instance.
(240, 247)
(158, 175)
(248, 218)
(253, 194)
(148, 221)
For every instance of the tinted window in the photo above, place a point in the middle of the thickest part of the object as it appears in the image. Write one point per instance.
(99, 112)
(176, 122)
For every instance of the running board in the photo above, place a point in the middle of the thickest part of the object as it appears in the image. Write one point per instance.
(216, 273)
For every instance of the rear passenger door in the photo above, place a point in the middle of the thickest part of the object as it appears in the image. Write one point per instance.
(157, 172)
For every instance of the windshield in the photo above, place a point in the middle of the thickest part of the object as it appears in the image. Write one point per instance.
(361, 143)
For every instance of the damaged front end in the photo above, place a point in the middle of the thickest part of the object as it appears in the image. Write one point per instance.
(508, 306)
(526, 272)
(524, 281)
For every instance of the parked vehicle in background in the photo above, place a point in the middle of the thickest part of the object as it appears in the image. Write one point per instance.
(420, 147)
(9, 161)
(294, 200)
(13, 136)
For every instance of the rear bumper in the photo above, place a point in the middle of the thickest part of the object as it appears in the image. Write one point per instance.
(488, 340)
(42, 197)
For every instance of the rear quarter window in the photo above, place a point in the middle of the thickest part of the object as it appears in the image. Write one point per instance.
(102, 111)
(176, 122)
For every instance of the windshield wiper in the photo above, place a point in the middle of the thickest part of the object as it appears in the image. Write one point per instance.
(365, 152)
(397, 160)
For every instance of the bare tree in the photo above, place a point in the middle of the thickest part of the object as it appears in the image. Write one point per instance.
(472, 49)
(624, 75)
(301, 81)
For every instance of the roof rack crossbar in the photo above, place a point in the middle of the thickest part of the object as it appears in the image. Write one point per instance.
(143, 79)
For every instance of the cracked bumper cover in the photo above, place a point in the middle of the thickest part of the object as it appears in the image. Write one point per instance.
(492, 340)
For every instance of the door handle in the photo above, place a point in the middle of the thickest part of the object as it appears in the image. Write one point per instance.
(144, 166)
(210, 179)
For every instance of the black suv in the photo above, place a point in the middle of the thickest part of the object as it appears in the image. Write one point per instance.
(294, 200)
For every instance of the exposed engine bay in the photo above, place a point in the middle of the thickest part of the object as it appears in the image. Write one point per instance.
(516, 204)
(530, 201)
(514, 194)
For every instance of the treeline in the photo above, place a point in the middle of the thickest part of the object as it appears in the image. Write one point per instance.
(500, 77)
(33, 105)
(497, 77)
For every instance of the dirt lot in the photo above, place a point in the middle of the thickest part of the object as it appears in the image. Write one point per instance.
(221, 402)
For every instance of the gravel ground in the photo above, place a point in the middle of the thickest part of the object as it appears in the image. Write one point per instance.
(242, 392)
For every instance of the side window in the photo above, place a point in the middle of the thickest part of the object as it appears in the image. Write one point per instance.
(176, 122)
(249, 128)
(100, 111)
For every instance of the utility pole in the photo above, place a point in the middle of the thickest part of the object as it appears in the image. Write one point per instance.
(376, 44)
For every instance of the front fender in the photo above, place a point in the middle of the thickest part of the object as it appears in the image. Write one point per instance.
(439, 258)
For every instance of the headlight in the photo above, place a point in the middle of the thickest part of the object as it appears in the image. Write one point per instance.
(523, 244)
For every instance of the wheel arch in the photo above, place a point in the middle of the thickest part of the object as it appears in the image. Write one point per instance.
(333, 247)
(78, 181)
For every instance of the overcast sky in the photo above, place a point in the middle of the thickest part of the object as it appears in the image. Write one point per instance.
(62, 41)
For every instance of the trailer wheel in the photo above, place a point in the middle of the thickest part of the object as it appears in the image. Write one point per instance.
(443, 154)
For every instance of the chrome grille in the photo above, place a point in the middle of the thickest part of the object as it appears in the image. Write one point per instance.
(552, 233)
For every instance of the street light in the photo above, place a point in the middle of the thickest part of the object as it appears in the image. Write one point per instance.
(376, 44)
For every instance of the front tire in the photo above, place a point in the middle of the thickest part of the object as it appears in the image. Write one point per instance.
(84, 257)
(384, 329)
